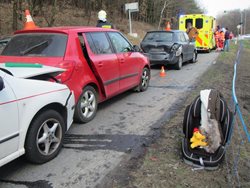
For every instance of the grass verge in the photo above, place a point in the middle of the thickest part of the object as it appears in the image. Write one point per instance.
(162, 164)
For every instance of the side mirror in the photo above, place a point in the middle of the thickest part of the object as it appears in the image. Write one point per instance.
(1, 83)
(137, 48)
(191, 40)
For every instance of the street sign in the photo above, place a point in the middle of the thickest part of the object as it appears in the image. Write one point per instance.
(132, 7)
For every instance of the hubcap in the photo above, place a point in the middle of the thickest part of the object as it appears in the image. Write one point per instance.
(194, 57)
(145, 79)
(49, 137)
(88, 104)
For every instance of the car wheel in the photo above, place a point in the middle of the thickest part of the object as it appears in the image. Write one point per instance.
(44, 137)
(86, 106)
(144, 83)
(179, 63)
(194, 59)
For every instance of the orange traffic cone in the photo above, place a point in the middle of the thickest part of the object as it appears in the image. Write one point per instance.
(162, 73)
(168, 27)
(29, 24)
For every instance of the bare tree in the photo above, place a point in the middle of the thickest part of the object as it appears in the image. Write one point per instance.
(49, 12)
(14, 20)
(166, 3)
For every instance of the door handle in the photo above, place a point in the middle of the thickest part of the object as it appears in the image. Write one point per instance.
(100, 64)
(122, 60)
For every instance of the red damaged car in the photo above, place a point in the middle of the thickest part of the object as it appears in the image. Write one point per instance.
(99, 63)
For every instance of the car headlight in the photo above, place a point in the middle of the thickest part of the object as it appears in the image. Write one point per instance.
(179, 51)
(175, 47)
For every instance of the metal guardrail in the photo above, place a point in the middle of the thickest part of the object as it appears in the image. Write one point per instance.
(234, 96)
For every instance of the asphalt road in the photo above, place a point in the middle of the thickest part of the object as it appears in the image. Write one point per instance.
(94, 149)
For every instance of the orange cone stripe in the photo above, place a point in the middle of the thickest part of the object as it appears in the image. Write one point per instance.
(29, 24)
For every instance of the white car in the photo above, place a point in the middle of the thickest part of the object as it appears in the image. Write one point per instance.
(34, 113)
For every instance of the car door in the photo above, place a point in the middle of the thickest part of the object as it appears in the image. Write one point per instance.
(103, 61)
(9, 128)
(129, 62)
(191, 46)
(184, 44)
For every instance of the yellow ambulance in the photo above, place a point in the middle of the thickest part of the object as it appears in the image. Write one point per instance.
(205, 26)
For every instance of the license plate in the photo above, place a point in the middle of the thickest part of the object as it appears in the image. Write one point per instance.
(157, 50)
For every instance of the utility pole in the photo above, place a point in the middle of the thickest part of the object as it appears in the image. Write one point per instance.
(241, 22)
(130, 22)
(131, 7)
(245, 22)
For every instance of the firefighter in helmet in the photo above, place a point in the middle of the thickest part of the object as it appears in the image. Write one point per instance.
(102, 20)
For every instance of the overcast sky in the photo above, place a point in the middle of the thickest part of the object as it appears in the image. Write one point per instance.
(215, 7)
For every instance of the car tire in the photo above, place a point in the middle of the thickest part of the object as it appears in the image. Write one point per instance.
(86, 106)
(44, 137)
(194, 59)
(179, 63)
(144, 81)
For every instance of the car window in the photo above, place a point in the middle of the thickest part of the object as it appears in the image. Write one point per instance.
(190, 20)
(199, 23)
(181, 37)
(99, 43)
(91, 43)
(119, 42)
(158, 37)
(186, 36)
(36, 44)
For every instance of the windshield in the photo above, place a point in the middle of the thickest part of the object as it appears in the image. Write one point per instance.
(36, 44)
(158, 37)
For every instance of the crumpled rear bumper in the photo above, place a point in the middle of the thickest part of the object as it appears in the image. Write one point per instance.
(162, 58)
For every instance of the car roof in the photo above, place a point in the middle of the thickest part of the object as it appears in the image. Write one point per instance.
(163, 31)
(64, 29)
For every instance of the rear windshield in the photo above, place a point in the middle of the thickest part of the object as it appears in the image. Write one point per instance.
(36, 44)
(199, 23)
(159, 37)
(188, 21)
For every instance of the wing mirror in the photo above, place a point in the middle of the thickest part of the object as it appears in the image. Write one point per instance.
(137, 48)
(1, 83)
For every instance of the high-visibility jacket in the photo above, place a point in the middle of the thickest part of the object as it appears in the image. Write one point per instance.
(222, 36)
(221, 40)
(216, 35)
(192, 33)
(103, 24)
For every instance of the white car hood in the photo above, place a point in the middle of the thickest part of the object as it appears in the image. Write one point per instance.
(29, 72)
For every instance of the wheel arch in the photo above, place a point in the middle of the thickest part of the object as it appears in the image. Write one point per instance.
(52, 106)
(62, 110)
(148, 67)
(97, 89)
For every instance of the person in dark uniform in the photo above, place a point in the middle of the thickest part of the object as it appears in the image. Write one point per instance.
(102, 20)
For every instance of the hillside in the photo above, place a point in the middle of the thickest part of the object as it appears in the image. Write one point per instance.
(84, 12)
(73, 17)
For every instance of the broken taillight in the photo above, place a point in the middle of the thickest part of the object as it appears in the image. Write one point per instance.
(69, 67)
